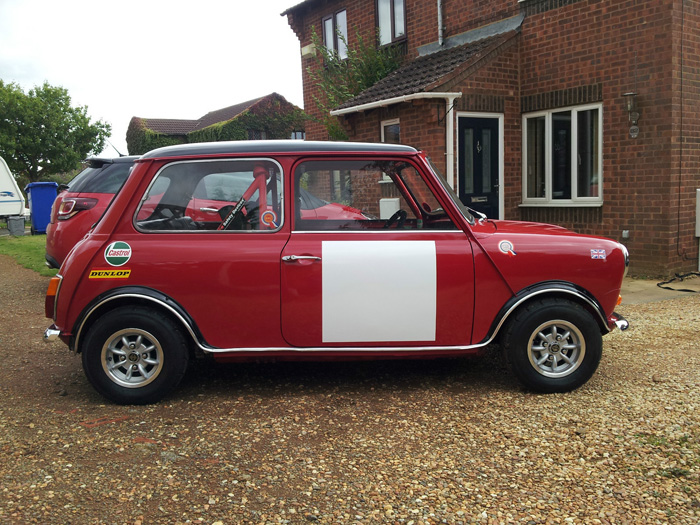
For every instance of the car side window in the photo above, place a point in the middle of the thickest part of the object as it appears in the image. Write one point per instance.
(213, 196)
(364, 195)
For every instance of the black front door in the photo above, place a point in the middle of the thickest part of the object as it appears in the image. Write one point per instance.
(479, 164)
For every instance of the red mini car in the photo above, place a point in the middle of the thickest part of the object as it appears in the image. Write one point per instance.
(211, 249)
(81, 203)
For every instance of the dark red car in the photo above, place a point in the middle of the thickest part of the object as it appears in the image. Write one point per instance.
(80, 204)
(171, 273)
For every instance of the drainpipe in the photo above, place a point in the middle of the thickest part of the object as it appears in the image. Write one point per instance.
(441, 28)
(449, 138)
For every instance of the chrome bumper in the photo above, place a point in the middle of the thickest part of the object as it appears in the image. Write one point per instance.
(51, 334)
(620, 321)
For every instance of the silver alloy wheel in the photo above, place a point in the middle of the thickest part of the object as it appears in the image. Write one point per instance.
(132, 358)
(556, 348)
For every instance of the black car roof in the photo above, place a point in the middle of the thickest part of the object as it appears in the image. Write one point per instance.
(275, 146)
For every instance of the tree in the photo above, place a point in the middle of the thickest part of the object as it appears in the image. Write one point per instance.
(340, 79)
(41, 134)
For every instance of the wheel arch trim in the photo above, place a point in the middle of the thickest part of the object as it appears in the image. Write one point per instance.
(546, 289)
(140, 294)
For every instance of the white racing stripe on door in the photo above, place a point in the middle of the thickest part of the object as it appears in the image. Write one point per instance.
(379, 291)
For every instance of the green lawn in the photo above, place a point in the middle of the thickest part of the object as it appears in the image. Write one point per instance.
(28, 250)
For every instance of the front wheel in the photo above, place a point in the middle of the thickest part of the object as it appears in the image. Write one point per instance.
(134, 355)
(553, 345)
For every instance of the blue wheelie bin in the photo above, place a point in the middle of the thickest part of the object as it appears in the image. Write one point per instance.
(40, 197)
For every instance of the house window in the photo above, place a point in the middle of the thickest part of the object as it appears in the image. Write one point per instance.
(298, 135)
(391, 131)
(562, 161)
(391, 19)
(335, 33)
(256, 134)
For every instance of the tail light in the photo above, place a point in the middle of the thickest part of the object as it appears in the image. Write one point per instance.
(71, 206)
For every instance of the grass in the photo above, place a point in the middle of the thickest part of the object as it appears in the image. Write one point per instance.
(27, 250)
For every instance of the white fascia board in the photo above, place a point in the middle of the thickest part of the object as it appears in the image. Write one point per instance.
(394, 100)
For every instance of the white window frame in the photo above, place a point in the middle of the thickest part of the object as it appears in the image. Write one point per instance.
(391, 122)
(575, 200)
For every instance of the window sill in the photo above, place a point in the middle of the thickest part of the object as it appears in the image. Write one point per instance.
(565, 204)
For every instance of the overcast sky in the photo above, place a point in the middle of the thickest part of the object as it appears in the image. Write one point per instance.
(151, 58)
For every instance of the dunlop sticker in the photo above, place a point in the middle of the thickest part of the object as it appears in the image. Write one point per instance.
(109, 273)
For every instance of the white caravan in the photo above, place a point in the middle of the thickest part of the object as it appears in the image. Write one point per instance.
(11, 199)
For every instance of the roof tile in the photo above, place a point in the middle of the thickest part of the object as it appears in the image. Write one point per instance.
(427, 72)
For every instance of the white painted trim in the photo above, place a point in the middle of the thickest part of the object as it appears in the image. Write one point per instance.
(501, 153)
(394, 100)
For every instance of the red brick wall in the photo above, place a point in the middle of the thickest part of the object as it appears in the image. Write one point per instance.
(616, 46)
(625, 46)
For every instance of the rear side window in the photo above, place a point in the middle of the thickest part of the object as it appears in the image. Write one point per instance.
(234, 195)
(108, 179)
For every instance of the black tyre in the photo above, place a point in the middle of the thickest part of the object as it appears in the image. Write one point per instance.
(553, 345)
(134, 355)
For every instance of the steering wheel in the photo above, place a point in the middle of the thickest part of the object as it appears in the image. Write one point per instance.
(399, 217)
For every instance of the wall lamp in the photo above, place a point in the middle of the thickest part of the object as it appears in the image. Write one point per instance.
(633, 112)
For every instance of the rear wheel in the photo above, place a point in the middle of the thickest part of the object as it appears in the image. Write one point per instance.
(553, 345)
(134, 355)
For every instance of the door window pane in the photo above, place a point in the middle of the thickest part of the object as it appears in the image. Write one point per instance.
(485, 161)
(364, 195)
(468, 155)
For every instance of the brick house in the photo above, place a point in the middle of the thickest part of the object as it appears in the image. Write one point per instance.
(267, 117)
(583, 113)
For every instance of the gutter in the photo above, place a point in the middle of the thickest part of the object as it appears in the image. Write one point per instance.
(449, 119)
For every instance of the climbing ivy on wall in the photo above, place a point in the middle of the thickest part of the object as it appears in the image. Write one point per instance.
(140, 139)
(275, 116)
(272, 115)
(339, 80)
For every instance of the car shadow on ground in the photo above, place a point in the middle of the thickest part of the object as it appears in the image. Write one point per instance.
(481, 373)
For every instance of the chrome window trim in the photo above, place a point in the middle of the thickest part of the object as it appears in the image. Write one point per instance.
(143, 198)
(379, 231)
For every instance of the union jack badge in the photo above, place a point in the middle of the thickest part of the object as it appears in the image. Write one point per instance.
(597, 254)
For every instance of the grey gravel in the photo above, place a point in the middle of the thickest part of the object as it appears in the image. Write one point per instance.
(410, 442)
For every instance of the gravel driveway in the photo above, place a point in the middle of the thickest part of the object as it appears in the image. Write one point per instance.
(444, 441)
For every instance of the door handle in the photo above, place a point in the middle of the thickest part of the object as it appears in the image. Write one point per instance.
(292, 258)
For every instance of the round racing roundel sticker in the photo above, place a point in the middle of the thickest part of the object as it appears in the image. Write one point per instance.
(118, 253)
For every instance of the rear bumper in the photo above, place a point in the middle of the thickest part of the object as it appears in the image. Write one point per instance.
(619, 321)
(51, 334)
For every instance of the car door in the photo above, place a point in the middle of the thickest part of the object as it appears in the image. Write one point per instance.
(388, 268)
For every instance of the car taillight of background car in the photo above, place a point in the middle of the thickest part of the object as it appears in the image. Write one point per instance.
(70, 207)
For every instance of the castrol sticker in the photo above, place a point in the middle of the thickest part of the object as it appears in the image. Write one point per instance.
(109, 273)
(118, 253)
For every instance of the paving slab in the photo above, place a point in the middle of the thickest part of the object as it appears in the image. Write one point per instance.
(635, 291)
